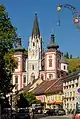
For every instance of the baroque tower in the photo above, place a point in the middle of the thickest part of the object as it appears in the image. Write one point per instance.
(34, 52)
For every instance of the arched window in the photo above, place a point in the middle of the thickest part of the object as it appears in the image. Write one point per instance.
(50, 62)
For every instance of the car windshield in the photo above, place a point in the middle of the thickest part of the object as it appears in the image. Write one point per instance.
(23, 111)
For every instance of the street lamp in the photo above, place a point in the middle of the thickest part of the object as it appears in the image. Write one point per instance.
(76, 16)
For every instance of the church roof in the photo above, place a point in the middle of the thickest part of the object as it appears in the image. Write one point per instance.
(35, 30)
(52, 44)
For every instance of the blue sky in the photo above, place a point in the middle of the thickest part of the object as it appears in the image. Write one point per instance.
(22, 12)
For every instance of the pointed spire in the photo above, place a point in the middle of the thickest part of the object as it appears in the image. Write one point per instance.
(35, 31)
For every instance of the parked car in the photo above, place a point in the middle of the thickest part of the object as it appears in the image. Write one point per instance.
(61, 112)
(56, 112)
(22, 114)
(52, 112)
(45, 110)
(76, 115)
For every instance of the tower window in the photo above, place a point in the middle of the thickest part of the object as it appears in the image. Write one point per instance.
(24, 79)
(33, 44)
(32, 67)
(16, 79)
(17, 61)
(50, 62)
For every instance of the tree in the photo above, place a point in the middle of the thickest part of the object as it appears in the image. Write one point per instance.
(31, 98)
(22, 102)
(66, 55)
(70, 56)
(8, 41)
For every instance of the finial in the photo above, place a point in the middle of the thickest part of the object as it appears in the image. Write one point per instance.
(35, 13)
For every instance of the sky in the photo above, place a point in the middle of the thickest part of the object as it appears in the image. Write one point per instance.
(22, 13)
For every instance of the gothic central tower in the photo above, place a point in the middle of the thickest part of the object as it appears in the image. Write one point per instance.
(34, 52)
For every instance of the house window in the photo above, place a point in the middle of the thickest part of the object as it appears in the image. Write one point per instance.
(24, 79)
(16, 79)
(50, 62)
(64, 67)
(32, 67)
(72, 85)
(76, 84)
(69, 86)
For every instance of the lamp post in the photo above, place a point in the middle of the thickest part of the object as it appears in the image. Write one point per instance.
(76, 16)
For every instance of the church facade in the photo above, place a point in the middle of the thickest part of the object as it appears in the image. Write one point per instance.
(47, 65)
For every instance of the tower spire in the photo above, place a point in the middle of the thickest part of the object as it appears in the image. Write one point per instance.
(35, 30)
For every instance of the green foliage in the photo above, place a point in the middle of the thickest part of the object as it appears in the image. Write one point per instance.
(74, 64)
(31, 98)
(8, 41)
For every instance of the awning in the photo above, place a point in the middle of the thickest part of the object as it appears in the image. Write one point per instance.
(57, 102)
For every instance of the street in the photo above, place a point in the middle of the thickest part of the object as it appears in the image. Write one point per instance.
(53, 117)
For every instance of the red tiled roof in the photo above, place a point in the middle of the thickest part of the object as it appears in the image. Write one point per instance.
(42, 87)
(48, 87)
(56, 88)
(56, 102)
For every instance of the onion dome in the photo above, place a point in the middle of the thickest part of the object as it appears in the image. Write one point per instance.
(52, 44)
(19, 47)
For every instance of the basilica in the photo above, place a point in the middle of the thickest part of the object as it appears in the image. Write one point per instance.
(39, 63)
